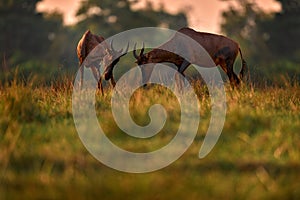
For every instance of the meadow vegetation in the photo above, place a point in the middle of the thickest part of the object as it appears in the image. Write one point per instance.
(256, 157)
(42, 157)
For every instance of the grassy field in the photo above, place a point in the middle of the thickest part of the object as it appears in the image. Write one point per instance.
(256, 157)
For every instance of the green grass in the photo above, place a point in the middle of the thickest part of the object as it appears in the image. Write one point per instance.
(256, 157)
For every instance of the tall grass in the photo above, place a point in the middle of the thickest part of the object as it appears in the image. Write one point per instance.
(256, 157)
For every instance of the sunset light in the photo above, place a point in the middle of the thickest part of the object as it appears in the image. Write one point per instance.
(202, 14)
(150, 99)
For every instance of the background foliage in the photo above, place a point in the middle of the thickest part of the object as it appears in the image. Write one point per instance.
(40, 44)
(269, 40)
(42, 157)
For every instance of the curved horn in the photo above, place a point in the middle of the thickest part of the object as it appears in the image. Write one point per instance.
(134, 52)
(111, 46)
(127, 47)
(126, 50)
(142, 50)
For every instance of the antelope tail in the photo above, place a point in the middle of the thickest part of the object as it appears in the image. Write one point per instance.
(244, 66)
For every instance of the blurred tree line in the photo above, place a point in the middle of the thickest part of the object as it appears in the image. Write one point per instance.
(40, 44)
(270, 41)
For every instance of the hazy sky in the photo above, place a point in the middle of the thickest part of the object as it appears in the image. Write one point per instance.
(203, 15)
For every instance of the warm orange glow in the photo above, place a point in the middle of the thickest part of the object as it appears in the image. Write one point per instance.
(203, 15)
(67, 7)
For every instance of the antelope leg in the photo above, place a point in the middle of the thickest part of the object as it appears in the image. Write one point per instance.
(112, 81)
(98, 78)
(81, 76)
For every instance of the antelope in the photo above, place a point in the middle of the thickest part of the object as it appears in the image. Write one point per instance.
(221, 49)
(111, 60)
(91, 57)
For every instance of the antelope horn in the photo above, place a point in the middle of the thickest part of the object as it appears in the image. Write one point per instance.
(134, 52)
(126, 50)
(127, 47)
(111, 46)
(142, 50)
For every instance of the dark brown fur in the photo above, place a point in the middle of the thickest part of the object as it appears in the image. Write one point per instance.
(86, 45)
(91, 58)
(221, 49)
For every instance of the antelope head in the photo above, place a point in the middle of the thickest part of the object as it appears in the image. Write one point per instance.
(111, 59)
(141, 58)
